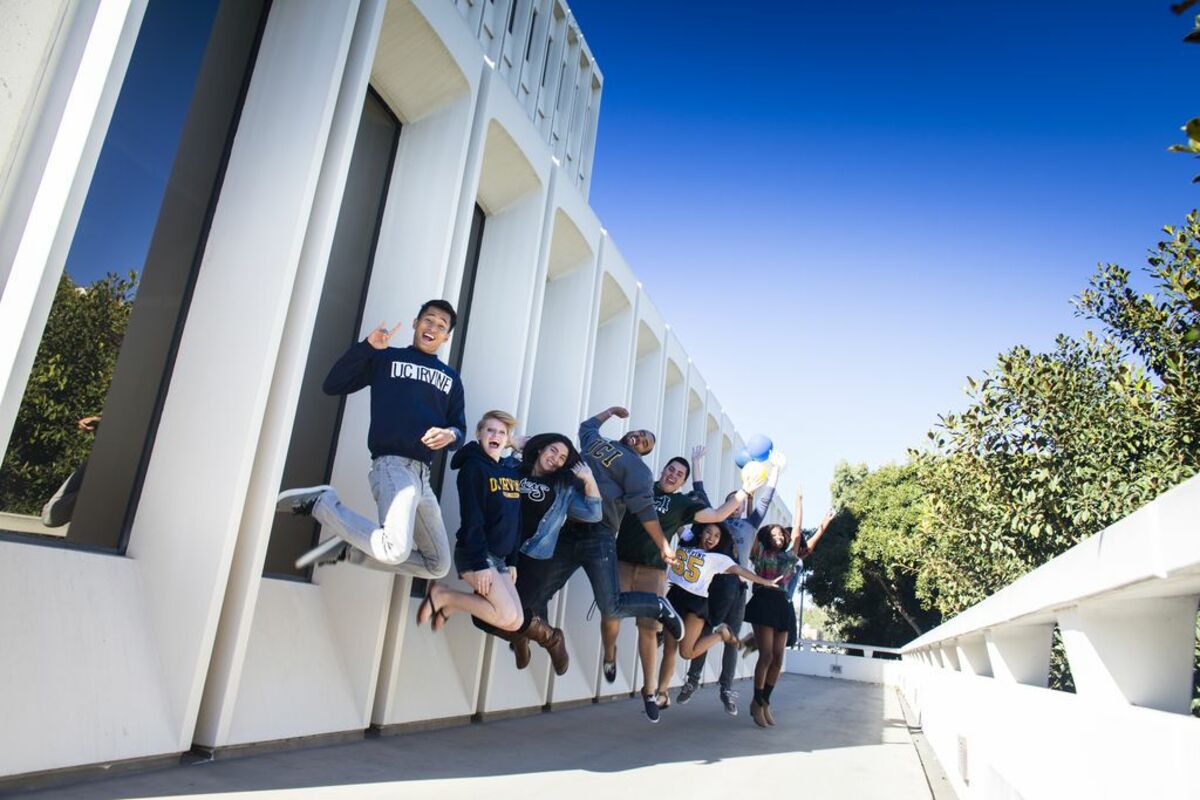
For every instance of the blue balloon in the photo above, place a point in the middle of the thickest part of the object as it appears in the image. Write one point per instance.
(742, 458)
(759, 447)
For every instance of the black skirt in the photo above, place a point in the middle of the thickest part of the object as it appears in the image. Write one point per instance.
(687, 603)
(773, 608)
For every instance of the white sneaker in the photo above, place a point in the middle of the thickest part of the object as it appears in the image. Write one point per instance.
(327, 552)
(300, 501)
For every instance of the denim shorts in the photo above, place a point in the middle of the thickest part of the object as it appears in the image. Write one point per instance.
(462, 562)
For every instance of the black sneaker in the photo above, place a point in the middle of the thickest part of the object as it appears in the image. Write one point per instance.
(729, 700)
(651, 703)
(669, 617)
(300, 501)
(686, 691)
(610, 671)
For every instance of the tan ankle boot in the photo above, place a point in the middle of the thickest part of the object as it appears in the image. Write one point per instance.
(552, 640)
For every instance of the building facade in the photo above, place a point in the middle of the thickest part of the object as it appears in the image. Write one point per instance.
(340, 161)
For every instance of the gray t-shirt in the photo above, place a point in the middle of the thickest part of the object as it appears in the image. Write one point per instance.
(625, 482)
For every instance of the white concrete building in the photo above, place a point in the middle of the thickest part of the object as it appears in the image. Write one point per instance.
(341, 162)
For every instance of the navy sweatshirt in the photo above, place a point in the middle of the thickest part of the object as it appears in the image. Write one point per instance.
(411, 392)
(489, 499)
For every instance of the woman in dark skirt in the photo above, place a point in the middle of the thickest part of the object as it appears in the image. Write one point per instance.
(775, 557)
(696, 563)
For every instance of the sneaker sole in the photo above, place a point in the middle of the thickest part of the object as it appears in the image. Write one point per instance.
(284, 496)
(323, 548)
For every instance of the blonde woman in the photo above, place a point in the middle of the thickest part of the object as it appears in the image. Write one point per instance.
(489, 497)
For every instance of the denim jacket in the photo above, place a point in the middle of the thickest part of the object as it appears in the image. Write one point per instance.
(568, 502)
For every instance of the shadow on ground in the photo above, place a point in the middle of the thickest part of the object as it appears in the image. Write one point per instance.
(813, 714)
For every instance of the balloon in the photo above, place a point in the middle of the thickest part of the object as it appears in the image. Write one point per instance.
(742, 458)
(759, 447)
(754, 472)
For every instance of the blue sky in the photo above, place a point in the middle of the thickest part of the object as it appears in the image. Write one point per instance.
(842, 210)
(872, 201)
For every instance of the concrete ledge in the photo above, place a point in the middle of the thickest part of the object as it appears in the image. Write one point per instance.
(419, 725)
(88, 772)
(201, 754)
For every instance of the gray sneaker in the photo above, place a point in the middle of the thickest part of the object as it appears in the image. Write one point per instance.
(300, 501)
(686, 691)
(729, 700)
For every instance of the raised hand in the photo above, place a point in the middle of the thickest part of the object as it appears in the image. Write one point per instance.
(777, 460)
(583, 472)
(381, 336)
(619, 411)
(698, 453)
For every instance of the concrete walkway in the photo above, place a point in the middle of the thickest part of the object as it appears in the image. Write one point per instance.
(834, 739)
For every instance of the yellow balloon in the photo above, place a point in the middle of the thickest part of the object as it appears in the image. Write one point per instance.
(754, 471)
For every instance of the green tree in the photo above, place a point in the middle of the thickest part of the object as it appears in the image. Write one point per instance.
(866, 568)
(69, 380)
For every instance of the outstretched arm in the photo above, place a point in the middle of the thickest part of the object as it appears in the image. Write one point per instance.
(798, 521)
(816, 537)
(745, 574)
(763, 503)
(589, 429)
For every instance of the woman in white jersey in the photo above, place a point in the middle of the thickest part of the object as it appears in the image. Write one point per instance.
(697, 561)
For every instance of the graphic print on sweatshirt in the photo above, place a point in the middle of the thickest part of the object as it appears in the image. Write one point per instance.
(406, 370)
(605, 452)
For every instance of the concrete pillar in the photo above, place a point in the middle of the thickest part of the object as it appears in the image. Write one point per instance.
(1133, 651)
(1021, 654)
(973, 656)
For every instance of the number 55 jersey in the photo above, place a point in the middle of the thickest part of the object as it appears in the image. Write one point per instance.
(694, 569)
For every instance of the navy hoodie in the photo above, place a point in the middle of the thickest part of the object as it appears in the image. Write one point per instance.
(489, 499)
(411, 392)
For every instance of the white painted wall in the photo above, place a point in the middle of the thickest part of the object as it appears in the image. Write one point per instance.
(191, 643)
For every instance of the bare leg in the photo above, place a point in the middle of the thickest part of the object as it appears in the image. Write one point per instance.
(648, 653)
(609, 628)
(670, 647)
(500, 607)
(765, 636)
(779, 645)
(694, 641)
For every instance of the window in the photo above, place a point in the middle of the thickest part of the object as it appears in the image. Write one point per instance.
(104, 361)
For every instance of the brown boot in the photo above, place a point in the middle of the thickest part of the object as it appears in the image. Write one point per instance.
(552, 640)
(519, 644)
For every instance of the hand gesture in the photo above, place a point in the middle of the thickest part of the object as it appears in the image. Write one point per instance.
(381, 336)
(583, 472)
(437, 438)
(776, 581)
(88, 423)
(698, 452)
(483, 580)
(518, 442)
(777, 460)
(619, 411)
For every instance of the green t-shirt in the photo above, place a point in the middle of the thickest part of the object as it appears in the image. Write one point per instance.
(674, 511)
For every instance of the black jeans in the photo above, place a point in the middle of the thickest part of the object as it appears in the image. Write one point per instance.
(726, 603)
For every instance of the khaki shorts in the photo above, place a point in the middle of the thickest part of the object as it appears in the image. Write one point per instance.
(640, 578)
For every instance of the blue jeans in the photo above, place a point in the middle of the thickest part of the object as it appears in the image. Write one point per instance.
(593, 547)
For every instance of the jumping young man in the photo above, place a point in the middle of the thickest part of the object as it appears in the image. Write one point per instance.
(727, 594)
(643, 567)
(417, 408)
(626, 487)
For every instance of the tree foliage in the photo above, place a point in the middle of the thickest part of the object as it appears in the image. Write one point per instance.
(69, 380)
(864, 572)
